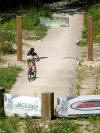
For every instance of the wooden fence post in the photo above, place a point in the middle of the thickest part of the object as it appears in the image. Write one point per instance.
(19, 39)
(90, 38)
(2, 90)
(48, 106)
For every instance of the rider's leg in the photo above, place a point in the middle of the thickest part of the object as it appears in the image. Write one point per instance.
(28, 60)
(28, 63)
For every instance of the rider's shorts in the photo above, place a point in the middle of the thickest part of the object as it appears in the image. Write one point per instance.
(31, 59)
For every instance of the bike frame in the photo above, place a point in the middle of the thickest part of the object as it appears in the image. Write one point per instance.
(31, 72)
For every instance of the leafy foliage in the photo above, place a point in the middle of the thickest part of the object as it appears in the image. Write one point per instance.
(7, 39)
(7, 36)
(82, 43)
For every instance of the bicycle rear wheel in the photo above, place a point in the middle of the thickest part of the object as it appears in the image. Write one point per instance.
(34, 75)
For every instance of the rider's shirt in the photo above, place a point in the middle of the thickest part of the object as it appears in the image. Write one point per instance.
(30, 52)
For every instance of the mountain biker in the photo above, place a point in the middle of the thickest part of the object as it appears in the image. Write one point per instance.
(30, 57)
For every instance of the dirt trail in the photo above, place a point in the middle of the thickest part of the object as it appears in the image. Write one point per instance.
(57, 71)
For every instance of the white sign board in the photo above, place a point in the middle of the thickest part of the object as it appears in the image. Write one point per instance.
(54, 22)
(22, 105)
(89, 104)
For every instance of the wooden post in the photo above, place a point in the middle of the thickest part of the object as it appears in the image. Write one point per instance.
(47, 106)
(90, 38)
(2, 90)
(19, 39)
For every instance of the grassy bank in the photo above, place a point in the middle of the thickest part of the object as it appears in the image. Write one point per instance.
(69, 125)
(9, 125)
(8, 76)
(1, 60)
(95, 13)
(89, 74)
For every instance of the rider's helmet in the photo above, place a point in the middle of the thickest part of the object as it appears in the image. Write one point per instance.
(32, 49)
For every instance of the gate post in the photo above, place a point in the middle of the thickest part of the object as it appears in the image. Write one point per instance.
(48, 106)
(2, 90)
(90, 38)
(19, 39)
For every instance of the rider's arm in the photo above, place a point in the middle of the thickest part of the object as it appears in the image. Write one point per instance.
(38, 57)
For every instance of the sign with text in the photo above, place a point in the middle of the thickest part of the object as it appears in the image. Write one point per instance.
(22, 105)
(89, 104)
(54, 22)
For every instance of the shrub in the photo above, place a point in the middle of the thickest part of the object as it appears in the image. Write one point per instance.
(7, 36)
(7, 39)
(82, 43)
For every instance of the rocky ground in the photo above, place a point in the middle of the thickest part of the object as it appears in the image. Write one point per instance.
(89, 72)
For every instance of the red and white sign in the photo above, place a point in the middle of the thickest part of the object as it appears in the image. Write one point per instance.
(89, 104)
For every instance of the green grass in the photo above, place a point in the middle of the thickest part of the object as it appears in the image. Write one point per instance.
(8, 76)
(95, 13)
(9, 125)
(68, 125)
(30, 21)
(29, 125)
(64, 126)
(32, 125)
(55, 126)
(82, 43)
(1, 60)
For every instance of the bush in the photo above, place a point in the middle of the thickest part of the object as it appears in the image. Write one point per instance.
(7, 36)
(7, 39)
(82, 43)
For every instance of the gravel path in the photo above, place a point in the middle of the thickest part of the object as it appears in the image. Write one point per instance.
(57, 71)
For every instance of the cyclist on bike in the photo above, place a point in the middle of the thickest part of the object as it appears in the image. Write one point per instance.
(30, 57)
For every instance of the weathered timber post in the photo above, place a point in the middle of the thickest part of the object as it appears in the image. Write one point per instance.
(19, 39)
(2, 90)
(47, 106)
(90, 38)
